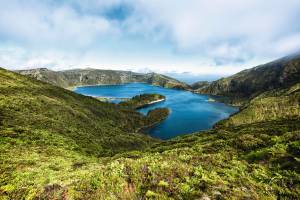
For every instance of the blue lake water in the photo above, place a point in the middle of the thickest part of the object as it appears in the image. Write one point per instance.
(189, 112)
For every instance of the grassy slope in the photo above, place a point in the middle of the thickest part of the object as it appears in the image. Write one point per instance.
(252, 82)
(260, 161)
(47, 131)
(256, 160)
(35, 105)
(271, 105)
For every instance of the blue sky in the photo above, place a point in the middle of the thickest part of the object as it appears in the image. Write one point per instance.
(203, 37)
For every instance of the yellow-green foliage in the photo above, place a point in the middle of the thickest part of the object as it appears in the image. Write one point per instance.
(49, 135)
(215, 164)
(55, 144)
(272, 105)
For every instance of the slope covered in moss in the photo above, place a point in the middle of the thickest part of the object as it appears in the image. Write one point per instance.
(260, 161)
(247, 84)
(100, 127)
(56, 144)
(254, 160)
(48, 133)
(272, 105)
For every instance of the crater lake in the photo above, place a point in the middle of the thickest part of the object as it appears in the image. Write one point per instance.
(189, 112)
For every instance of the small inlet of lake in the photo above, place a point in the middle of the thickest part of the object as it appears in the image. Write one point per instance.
(189, 112)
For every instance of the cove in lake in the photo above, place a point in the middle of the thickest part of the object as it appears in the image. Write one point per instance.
(189, 112)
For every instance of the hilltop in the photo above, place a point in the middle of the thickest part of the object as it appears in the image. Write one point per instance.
(96, 127)
(56, 144)
(250, 83)
(81, 77)
(47, 132)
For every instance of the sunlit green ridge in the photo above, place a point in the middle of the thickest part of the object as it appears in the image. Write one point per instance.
(58, 144)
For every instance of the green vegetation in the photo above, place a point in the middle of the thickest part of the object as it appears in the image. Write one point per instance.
(257, 162)
(81, 77)
(34, 105)
(157, 115)
(51, 135)
(108, 99)
(56, 144)
(271, 105)
(143, 100)
(154, 117)
(250, 83)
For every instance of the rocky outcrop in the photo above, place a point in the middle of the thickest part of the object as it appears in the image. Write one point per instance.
(43, 74)
(81, 77)
(250, 83)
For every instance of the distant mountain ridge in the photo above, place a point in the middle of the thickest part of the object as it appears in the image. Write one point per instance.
(82, 77)
(57, 144)
(250, 83)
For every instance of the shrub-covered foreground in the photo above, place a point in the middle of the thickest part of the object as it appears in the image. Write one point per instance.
(55, 144)
(257, 162)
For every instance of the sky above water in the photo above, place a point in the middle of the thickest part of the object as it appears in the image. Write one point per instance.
(200, 37)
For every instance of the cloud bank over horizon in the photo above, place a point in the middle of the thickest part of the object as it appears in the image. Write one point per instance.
(196, 36)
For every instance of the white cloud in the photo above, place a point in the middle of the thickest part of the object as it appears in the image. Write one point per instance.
(201, 25)
(201, 36)
(18, 58)
(43, 24)
(289, 44)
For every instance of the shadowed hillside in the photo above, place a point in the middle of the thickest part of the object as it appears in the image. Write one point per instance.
(271, 105)
(100, 127)
(56, 144)
(249, 83)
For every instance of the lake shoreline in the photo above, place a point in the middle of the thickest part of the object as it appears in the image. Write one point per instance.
(150, 103)
(191, 112)
(150, 126)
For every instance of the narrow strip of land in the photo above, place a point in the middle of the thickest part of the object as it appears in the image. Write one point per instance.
(143, 100)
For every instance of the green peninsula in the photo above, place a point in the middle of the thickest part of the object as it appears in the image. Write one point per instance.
(143, 100)
(56, 144)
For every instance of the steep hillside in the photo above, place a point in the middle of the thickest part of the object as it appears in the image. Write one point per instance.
(250, 83)
(80, 77)
(55, 144)
(100, 127)
(49, 134)
(270, 105)
(48, 76)
(258, 159)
